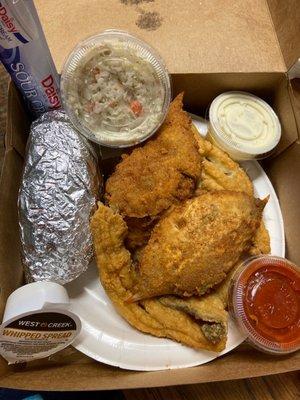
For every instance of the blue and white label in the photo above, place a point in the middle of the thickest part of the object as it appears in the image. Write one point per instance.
(25, 55)
(11, 33)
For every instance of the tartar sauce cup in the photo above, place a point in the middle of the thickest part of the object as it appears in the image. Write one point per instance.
(243, 125)
(115, 89)
(264, 301)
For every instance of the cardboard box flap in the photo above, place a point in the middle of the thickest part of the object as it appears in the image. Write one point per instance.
(295, 85)
(207, 36)
(286, 19)
(284, 174)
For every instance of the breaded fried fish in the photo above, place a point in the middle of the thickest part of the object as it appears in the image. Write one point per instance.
(261, 241)
(139, 231)
(192, 324)
(162, 172)
(209, 309)
(220, 172)
(196, 244)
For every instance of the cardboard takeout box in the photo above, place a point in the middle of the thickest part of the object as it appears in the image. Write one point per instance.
(209, 46)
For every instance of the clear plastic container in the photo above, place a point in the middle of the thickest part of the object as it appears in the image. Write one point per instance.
(116, 89)
(264, 301)
(243, 125)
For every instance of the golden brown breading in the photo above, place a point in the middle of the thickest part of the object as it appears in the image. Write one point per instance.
(208, 308)
(193, 247)
(162, 172)
(221, 290)
(219, 171)
(179, 326)
(260, 245)
(118, 277)
(175, 114)
(139, 231)
(261, 242)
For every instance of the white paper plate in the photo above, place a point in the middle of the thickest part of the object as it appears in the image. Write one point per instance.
(108, 338)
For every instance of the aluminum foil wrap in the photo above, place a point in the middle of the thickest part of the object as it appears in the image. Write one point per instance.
(60, 187)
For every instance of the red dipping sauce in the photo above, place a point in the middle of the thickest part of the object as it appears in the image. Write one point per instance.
(264, 299)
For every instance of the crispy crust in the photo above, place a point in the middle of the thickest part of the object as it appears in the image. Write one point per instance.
(219, 171)
(145, 187)
(139, 231)
(261, 242)
(118, 279)
(208, 309)
(164, 171)
(197, 243)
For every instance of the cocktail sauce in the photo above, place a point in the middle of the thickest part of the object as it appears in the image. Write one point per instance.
(265, 302)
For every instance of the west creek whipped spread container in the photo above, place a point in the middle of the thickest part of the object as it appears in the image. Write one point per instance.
(37, 322)
(243, 125)
(25, 55)
(115, 89)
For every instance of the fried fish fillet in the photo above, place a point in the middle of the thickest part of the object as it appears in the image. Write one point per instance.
(139, 231)
(209, 309)
(220, 172)
(192, 325)
(261, 241)
(197, 243)
(164, 171)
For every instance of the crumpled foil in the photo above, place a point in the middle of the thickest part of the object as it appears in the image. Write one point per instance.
(60, 187)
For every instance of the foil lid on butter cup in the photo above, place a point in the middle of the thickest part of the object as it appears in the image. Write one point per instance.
(61, 184)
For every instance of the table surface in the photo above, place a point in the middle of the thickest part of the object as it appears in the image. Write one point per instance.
(275, 387)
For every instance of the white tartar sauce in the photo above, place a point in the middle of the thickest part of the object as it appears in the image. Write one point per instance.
(243, 125)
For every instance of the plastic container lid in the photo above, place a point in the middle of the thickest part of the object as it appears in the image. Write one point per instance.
(37, 322)
(34, 296)
(243, 125)
(264, 300)
(137, 59)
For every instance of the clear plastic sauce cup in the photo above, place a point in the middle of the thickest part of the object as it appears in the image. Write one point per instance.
(243, 125)
(264, 301)
(115, 89)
